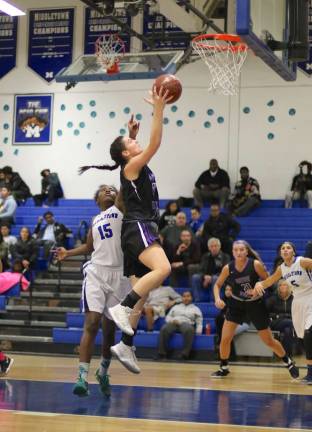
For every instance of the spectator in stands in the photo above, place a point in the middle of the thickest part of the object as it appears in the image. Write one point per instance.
(7, 207)
(196, 221)
(5, 361)
(4, 254)
(212, 185)
(279, 307)
(301, 187)
(20, 190)
(210, 267)
(159, 301)
(52, 234)
(170, 235)
(186, 253)
(51, 189)
(185, 318)
(222, 226)
(9, 239)
(2, 178)
(25, 250)
(169, 215)
(246, 196)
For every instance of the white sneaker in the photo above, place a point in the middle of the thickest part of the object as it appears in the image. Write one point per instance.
(120, 315)
(126, 355)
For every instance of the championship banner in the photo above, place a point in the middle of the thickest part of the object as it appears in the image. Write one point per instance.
(50, 44)
(8, 41)
(33, 119)
(306, 66)
(170, 37)
(97, 25)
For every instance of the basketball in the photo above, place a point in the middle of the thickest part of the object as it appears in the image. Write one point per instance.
(171, 83)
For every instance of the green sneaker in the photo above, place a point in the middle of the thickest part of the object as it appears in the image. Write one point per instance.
(104, 383)
(81, 388)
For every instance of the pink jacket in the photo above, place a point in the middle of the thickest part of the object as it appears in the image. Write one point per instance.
(8, 280)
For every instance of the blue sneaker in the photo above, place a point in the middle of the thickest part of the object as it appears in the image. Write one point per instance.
(306, 380)
(103, 380)
(81, 388)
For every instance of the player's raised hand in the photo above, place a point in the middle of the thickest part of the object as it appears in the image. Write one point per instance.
(158, 99)
(133, 127)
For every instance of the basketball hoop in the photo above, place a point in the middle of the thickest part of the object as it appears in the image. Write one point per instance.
(224, 54)
(109, 49)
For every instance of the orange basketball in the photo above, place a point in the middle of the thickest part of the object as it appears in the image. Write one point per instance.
(171, 83)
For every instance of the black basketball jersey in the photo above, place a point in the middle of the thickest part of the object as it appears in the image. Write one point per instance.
(243, 281)
(140, 196)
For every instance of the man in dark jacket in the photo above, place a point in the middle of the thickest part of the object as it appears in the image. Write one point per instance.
(212, 185)
(19, 188)
(221, 226)
(246, 196)
(279, 308)
(51, 189)
(52, 234)
(210, 267)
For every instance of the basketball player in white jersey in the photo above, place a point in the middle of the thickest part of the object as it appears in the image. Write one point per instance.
(104, 286)
(297, 271)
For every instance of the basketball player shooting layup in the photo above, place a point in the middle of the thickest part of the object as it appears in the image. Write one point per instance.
(144, 259)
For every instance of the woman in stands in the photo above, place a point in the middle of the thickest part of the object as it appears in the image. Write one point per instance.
(5, 361)
(144, 259)
(297, 271)
(242, 274)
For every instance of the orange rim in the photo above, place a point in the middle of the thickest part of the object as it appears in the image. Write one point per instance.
(240, 46)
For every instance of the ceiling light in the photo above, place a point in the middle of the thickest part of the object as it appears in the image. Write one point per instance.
(9, 9)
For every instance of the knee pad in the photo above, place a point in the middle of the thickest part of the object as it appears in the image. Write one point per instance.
(307, 341)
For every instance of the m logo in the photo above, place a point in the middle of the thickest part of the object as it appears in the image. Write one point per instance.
(49, 75)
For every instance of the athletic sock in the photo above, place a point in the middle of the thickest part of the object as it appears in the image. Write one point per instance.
(131, 299)
(224, 364)
(309, 374)
(128, 340)
(104, 365)
(84, 370)
(287, 360)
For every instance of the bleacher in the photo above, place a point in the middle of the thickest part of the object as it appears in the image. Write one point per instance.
(264, 229)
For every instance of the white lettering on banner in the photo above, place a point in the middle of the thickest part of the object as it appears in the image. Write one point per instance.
(51, 16)
(308, 66)
(6, 33)
(49, 75)
(119, 13)
(50, 31)
(104, 27)
(6, 19)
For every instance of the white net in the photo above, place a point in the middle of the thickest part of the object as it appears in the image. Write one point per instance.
(109, 49)
(224, 59)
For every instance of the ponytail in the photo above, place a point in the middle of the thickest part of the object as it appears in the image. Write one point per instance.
(82, 169)
(116, 150)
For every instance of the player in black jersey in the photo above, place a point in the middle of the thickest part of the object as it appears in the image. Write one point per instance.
(242, 274)
(144, 259)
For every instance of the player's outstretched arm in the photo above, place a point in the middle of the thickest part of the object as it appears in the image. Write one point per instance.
(306, 263)
(158, 101)
(260, 287)
(85, 249)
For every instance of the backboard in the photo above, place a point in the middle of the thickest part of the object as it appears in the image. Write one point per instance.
(260, 21)
(132, 66)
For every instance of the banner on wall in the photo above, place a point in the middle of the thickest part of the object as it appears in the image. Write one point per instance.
(96, 25)
(173, 37)
(50, 43)
(306, 66)
(33, 119)
(8, 42)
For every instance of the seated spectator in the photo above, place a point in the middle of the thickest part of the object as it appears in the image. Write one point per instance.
(209, 269)
(8, 279)
(212, 185)
(20, 190)
(170, 235)
(53, 234)
(246, 196)
(2, 178)
(222, 226)
(25, 249)
(169, 215)
(4, 253)
(51, 189)
(8, 207)
(186, 253)
(185, 318)
(9, 239)
(157, 304)
(301, 187)
(219, 319)
(196, 221)
(279, 307)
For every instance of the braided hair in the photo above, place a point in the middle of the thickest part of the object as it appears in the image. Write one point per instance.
(116, 150)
